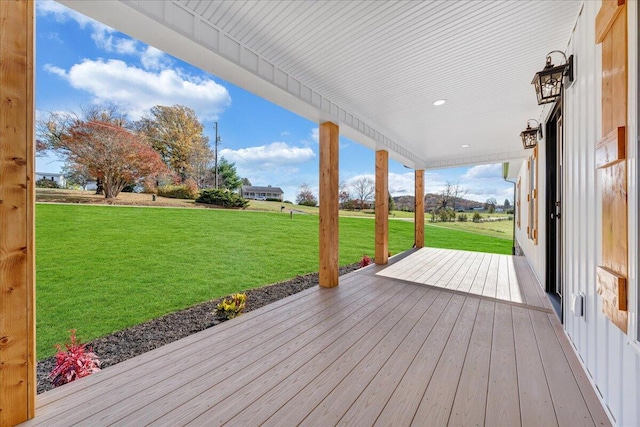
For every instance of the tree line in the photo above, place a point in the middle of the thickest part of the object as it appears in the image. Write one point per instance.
(166, 146)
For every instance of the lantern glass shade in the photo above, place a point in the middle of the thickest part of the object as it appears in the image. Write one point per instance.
(548, 83)
(529, 137)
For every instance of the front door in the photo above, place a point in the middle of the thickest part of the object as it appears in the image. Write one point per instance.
(554, 249)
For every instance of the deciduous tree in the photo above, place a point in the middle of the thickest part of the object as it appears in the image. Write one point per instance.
(113, 154)
(305, 196)
(176, 133)
(490, 205)
(363, 190)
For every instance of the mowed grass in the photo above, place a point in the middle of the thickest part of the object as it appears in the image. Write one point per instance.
(104, 268)
(498, 229)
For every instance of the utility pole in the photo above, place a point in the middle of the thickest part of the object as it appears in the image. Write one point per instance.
(217, 140)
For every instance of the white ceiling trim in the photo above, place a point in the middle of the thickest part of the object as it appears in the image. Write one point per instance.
(220, 46)
(374, 68)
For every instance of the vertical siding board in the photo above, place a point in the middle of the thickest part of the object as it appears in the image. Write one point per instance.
(613, 365)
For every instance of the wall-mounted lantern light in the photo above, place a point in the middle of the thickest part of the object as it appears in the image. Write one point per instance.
(548, 82)
(530, 135)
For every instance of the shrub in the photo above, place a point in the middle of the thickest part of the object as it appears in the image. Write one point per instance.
(221, 197)
(288, 201)
(476, 217)
(462, 217)
(311, 203)
(74, 362)
(364, 261)
(188, 190)
(233, 306)
(46, 183)
(272, 199)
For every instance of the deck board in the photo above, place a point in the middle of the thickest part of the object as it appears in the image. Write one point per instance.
(503, 403)
(377, 350)
(503, 277)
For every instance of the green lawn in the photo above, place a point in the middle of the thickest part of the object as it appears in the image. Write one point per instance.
(498, 229)
(104, 268)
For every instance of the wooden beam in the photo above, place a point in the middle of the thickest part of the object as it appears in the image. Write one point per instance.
(419, 210)
(382, 207)
(612, 148)
(613, 289)
(606, 17)
(17, 208)
(329, 267)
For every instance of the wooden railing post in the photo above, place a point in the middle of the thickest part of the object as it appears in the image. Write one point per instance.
(17, 209)
(419, 210)
(329, 261)
(382, 207)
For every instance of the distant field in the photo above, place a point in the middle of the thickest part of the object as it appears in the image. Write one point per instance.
(104, 268)
(498, 229)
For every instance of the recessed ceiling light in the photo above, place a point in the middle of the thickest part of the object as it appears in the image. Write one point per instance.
(465, 146)
(439, 102)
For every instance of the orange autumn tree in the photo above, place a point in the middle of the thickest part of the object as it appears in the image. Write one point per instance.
(113, 154)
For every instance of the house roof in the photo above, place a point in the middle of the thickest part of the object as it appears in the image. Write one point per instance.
(48, 174)
(375, 68)
(262, 189)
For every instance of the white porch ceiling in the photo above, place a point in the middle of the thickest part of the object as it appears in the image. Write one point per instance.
(373, 67)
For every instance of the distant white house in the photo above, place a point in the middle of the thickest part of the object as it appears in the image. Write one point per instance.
(261, 193)
(58, 178)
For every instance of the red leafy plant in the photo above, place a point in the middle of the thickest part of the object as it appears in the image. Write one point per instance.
(365, 261)
(75, 362)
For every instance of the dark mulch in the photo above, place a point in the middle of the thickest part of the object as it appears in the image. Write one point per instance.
(131, 342)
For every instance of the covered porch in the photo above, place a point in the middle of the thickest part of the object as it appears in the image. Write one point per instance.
(437, 337)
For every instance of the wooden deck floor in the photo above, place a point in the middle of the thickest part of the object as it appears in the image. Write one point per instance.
(376, 350)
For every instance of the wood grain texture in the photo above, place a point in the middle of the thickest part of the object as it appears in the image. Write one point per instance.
(470, 401)
(503, 403)
(612, 148)
(17, 209)
(614, 218)
(329, 240)
(613, 290)
(437, 402)
(534, 394)
(382, 207)
(568, 402)
(611, 31)
(419, 209)
(606, 17)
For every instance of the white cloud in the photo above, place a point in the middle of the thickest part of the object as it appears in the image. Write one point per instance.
(105, 37)
(278, 164)
(63, 14)
(55, 70)
(274, 155)
(315, 135)
(285, 133)
(137, 90)
(154, 59)
(483, 172)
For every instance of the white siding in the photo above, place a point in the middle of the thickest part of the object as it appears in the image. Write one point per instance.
(612, 359)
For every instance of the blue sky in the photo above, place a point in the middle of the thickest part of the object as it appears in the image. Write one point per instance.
(80, 62)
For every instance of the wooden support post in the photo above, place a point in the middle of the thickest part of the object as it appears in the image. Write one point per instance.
(329, 267)
(17, 208)
(382, 207)
(419, 210)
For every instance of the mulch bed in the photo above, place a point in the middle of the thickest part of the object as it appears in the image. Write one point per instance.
(131, 342)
